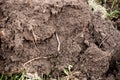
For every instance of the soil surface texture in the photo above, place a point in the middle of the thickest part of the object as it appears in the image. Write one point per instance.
(45, 36)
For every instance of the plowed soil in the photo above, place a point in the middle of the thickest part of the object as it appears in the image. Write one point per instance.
(47, 36)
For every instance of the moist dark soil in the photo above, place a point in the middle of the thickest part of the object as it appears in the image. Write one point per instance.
(47, 36)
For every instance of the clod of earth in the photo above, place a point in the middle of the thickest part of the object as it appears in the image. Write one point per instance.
(49, 35)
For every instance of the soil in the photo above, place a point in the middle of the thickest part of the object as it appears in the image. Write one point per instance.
(47, 36)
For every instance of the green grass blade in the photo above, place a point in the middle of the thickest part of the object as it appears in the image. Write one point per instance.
(113, 14)
(114, 3)
(1, 77)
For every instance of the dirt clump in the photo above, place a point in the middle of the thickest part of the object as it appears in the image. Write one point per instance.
(47, 37)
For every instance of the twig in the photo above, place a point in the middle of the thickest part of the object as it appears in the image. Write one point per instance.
(104, 39)
(34, 60)
(59, 43)
(34, 39)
